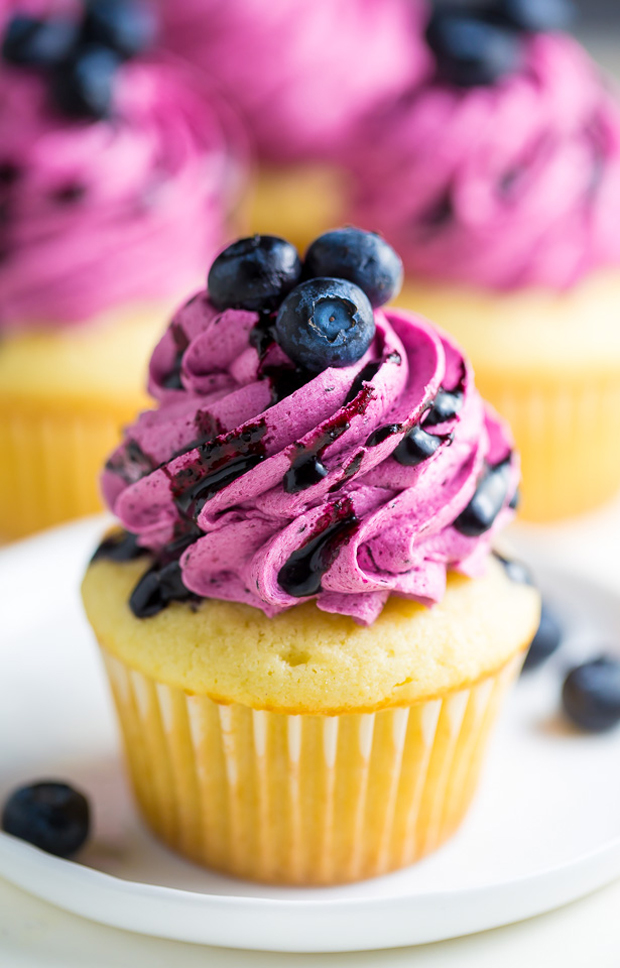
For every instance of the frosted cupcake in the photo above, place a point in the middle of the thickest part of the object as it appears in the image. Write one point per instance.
(306, 634)
(116, 180)
(302, 72)
(499, 182)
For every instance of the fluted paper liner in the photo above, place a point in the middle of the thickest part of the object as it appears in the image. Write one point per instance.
(50, 464)
(302, 799)
(566, 434)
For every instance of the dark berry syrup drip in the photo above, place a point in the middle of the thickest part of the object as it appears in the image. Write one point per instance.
(301, 575)
(218, 464)
(132, 464)
(158, 587)
(438, 215)
(369, 372)
(172, 380)
(418, 446)
(306, 466)
(284, 380)
(119, 546)
(447, 404)
(516, 570)
(487, 502)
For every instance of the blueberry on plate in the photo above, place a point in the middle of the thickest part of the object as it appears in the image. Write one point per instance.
(52, 816)
(591, 694)
(325, 322)
(125, 26)
(254, 273)
(29, 42)
(84, 86)
(546, 641)
(361, 257)
(536, 16)
(471, 50)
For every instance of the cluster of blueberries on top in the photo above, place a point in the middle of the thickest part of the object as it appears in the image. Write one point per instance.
(321, 309)
(81, 56)
(480, 43)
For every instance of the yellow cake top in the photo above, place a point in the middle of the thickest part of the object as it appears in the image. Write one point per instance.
(307, 661)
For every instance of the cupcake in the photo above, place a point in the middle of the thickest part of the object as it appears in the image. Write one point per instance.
(305, 630)
(116, 180)
(499, 182)
(302, 72)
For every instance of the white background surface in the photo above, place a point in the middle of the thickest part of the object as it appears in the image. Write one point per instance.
(33, 933)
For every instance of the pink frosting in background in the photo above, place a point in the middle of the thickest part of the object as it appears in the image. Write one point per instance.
(122, 210)
(514, 184)
(301, 71)
(401, 539)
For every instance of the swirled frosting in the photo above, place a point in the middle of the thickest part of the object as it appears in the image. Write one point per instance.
(301, 71)
(93, 214)
(269, 499)
(515, 184)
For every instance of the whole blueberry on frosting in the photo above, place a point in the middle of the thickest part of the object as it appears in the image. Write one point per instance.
(361, 257)
(254, 273)
(325, 322)
(319, 450)
(535, 15)
(470, 49)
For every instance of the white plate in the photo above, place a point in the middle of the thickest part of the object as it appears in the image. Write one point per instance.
(544, 830)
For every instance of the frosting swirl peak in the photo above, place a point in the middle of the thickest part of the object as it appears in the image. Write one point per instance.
(269, 485)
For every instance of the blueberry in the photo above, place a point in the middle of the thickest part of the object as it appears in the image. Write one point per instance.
(416, 447)
(38, 43)
(325, 322)
(487, 502)
(125, 26)
(84, 86)
(470, 50)
(254, 273)
(591, 694)
(536, 15)
(361, 257)
(546, 641)
(50, 815)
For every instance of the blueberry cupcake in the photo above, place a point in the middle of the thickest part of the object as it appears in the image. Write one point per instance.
(499, 182)
(117, 177)
(305, 630)
(293, 67)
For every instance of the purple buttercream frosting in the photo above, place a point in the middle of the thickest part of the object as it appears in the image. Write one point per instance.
(502, 186)
(210, 473)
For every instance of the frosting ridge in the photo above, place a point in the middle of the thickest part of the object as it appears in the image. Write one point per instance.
(270, 496)
(122, 209)
(509, 185)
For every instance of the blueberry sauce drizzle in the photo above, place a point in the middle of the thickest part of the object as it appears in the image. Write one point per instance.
(172, 380)
(516, 570)
(284, 380)
(218, 464)
(132, 464)
(119, 546)
(301, 575)
(487, 502)
(158, 587)
(418, 446)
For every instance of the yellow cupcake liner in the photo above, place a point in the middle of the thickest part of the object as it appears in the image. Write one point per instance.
(50, 462)
(302, 799)
(567, 434)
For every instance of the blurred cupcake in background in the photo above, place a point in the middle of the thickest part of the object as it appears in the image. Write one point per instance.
(499, 183)
(302, 72)
(117, 178)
